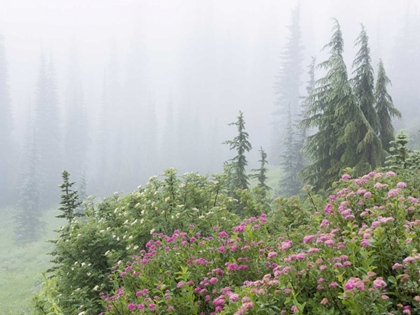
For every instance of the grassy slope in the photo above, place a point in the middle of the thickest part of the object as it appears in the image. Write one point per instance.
(21, 267)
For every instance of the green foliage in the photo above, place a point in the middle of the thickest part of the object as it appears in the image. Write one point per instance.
(363, 80)
(401, 158)
(118, 227)
(261, 173)
(69, 199)
(241, 145)
(344, 137)
(385, 108)
(358, 256)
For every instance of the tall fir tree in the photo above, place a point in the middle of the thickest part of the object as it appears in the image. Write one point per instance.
(363, 80)
(385, 108)
(76, 135)
(289, 184)
(241, 145)
(48, 129)
(344, 137)
(288, 82)
(28, 223)
(6, 125)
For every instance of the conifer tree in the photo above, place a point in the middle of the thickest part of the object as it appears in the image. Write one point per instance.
(48, 129)
(288, 82)
(69, 199)
(241, 145)
(28, 216)
(363, 81)
(261, 173)
(344, 137)
(289, 185)
(385, 108)
(6, 124)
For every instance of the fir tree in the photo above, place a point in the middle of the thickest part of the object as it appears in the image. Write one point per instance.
(6, 124)
(288, 81)
(289, 185)
(29, 225)
(401, 157)
(385, 108)
(69, 199)
(76, 127)
(241, 145)
(363, 81)
(261, 173)
(47, 125)
(344, 137)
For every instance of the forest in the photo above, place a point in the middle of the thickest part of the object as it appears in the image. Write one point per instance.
(263, 169)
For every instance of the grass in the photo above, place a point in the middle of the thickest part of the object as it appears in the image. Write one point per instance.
(21, 267)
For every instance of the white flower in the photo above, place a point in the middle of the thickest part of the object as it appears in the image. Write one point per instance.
(152, 231)
(106, 253)
(134, 222)
(141, 221)
(96, 288)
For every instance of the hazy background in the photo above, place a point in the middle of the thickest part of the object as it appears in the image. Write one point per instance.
(160, 80)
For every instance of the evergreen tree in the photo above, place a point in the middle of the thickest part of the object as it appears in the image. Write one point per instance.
(288, 81)
(28, 216)
(69, 199)
(241, 145)
(385, 108)
(401, 157)
(48, 129)
(344, 137)
(363, 81)
(6, 124)
(82, 191)
(289, 185)
(76, 133)
(261, 173)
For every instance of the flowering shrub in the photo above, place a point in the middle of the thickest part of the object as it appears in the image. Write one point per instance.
(362, 258)
(120, 226)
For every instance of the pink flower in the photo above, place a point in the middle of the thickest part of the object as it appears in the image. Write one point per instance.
(390, 174)
(393, 192)
(294, 309)
(329, 242)
(152, 306)
(271, 255)
(233, 297)
(213, 280)
(308, 238)
(364, 243)
(324, 301)
(396, 266)
(223, 234)
(379, 283)
(350, 285)
(140, 306)
(131, 306)
(333, 284)
(328, 208)
(401, 185)
(367, 194)
(345, 177)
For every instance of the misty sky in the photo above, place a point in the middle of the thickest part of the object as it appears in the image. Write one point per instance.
(245, 37)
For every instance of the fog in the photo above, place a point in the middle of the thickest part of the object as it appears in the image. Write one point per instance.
(140, 86)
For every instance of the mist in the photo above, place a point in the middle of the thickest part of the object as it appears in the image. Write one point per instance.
(141, 86)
